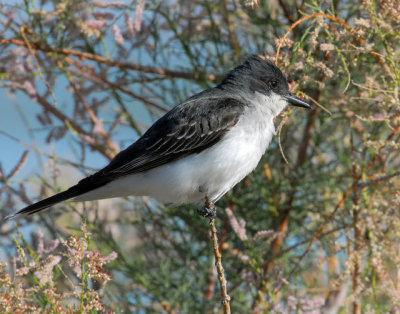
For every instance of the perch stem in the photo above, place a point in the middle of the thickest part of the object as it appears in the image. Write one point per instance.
(225, 298)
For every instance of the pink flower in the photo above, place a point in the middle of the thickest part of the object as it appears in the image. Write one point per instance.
(110, 257)
(45, 272)
(138, 15)
(98, 126)
(30, 90)
(129, 26)
(113, 4)
(103, 15)
(40, 243)
(117, 35)
(22, 271)
(92, 254)
(96, 24)
(238, 226)
(88, 139)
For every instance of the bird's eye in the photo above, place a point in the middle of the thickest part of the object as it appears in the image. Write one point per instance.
(273, 83)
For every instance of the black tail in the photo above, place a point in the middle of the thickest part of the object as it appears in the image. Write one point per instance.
(43, 204)
(85, 185)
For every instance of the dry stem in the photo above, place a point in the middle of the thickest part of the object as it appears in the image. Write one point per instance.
(332, 18)
(345, 196)
(357, 234)
(231, 30)
(110, 62)
(225, 298)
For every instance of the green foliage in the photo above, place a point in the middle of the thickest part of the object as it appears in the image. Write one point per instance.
(318, 232)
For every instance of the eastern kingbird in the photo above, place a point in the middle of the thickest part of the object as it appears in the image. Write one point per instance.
(198, 150)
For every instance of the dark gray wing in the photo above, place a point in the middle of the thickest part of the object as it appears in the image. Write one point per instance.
(187, 129)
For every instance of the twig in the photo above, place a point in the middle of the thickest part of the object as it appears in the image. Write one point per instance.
(286, 11)
(231, 30)
(164, 233)
(113, 85)
(316, 103)
(110, 62)
(225, 298)
(301, 157)
(298, 244)
(23, 31)
(377, 180)
(357, 232)
(279, 136)
(329, 17)
(92, 115)
(18, 166)
(40, 152)
(342, 200)
(305, 18)
(76, 127)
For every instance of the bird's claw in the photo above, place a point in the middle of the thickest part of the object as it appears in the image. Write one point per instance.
(209, 210)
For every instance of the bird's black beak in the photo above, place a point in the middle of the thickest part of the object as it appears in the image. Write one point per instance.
(295, 101)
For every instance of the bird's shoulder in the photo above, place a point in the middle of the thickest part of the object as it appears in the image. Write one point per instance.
(218, 110)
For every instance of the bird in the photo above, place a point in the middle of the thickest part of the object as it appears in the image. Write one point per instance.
(198, 150)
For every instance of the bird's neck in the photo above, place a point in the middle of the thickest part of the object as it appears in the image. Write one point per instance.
(269, 105)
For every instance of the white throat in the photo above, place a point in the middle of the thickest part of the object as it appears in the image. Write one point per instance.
(271, 105)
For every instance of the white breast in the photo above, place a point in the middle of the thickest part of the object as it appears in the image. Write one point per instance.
(212, 172)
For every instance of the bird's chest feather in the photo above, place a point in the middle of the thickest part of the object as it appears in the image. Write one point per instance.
(238, 152)
(249, 139)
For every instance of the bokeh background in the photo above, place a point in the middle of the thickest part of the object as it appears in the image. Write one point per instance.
(314, 229)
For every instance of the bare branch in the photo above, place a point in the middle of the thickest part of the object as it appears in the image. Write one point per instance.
(122, 65)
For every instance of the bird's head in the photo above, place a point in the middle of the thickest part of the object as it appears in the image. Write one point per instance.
(261, 76)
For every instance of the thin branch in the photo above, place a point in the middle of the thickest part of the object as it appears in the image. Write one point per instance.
(279, 129)
(298, 244)
(231, 30)
(377, 180)
(284, 216)
(342, 200)
(298, 22)
(286, 11)
(316, 103)
(40, 152)
(23, 31)
(332, 18)
(18, 166)
(111, 145)
(165, 234)
(110, 62)
(76, 127)
(225, 298)
(113, 85)
(357, 232)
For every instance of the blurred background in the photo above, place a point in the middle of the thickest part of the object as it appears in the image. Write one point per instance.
(314, 229)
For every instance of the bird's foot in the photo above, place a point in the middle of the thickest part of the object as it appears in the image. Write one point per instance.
(209, 210)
